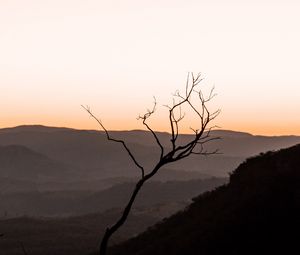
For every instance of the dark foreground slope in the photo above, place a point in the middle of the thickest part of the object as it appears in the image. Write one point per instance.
(256, 213)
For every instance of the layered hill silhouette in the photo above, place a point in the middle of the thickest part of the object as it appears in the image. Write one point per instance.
(71, 235)
(47, 171)
(257, 212)
(91, 156)
(66, 203)
(81, 234)
(20, 162)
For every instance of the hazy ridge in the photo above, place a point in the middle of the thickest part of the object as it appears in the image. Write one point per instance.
(90, 155)
(46, 171)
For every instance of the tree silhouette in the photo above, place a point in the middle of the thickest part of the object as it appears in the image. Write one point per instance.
(176, 151)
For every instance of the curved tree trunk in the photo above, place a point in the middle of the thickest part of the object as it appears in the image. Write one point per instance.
(121, 221)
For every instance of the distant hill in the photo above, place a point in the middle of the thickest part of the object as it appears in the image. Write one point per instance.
(152, 193)
(73, 235)
(81, 235)
(256, 213)
(21, 163)
(89, 151)
(62, 203)
(23, 169)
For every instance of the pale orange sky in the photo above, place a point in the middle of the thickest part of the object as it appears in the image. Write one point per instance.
(115, 55)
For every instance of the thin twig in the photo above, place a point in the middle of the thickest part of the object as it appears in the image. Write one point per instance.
(144, 118)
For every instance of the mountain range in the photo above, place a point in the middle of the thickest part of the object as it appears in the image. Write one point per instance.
(82, 181)
(78, 202)
(86, 155)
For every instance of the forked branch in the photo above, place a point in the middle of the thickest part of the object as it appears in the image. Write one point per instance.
(144, 119)
(172, 153)
(87, 108)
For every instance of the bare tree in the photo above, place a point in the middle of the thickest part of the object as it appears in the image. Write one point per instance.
(176, 151)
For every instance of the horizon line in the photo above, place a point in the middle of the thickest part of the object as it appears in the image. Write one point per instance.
(143, 130)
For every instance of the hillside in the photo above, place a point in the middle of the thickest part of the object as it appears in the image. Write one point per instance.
(73, 235)
(80, 235)
(22, 163)
(76, 202)
(152, 193)
(91, 153)
(256, 213)
(25, 170)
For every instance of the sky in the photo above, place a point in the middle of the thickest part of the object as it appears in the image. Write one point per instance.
(115, 55)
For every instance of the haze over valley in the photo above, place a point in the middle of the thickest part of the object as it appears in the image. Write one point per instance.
(52, 177)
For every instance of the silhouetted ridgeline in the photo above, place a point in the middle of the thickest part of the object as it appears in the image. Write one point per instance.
(256, 213)
(47, 171)
(90, 156)
(22, 163)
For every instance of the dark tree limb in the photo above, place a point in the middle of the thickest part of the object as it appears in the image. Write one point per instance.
(176, 152)
(144, 118)
(115, 140)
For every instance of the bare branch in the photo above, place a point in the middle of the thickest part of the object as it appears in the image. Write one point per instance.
(207, 153)
(115, 140)
(173, 121)
(144, 118)
(195, 146)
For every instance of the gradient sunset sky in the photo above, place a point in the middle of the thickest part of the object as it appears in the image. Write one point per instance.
(116, 55)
